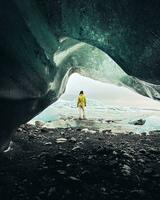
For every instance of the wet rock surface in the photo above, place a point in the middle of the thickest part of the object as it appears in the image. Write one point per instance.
(81, 165)
(139, 122)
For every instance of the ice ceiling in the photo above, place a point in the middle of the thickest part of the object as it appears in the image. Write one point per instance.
(92, 62)
(35, 31)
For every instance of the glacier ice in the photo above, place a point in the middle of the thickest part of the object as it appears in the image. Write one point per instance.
(78, 34)
(152, 124)
(94, 63)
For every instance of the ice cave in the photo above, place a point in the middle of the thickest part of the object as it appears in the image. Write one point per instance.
(43, 44)
(36, 31)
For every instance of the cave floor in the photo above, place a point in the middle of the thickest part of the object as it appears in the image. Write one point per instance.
(73, 164)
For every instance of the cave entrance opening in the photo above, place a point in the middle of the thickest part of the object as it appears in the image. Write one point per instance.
(105, 102)
(81, 66)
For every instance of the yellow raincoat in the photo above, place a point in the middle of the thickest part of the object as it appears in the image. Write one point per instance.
(81, 101)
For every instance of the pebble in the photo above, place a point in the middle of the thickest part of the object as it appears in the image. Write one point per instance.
(141, 160)
(85, 173)
(61, 140)
(43, 154)
(90, 157)
(143, 133)
(143, 151)
(108, 131)
(74, 178)
(42, 193)
(48, 143)
(51, 191)
(92, 131)
(131, 133)
(31, 136)
(73, 139)
(44, 129)
(37, 198)
(139, 122)
(156, 176)
(85, 130)
(19, 129)
(101, 150)
(76, 147)
(114, 153)
(148, 171)
(153, 150)
(51, 132)
(10, 147)
(103, 189)
(39, 123)
(59, 161)
(113, 162)
(126, 170)
(62, 172)
(126, 155)
(69, 165)
(137, 193)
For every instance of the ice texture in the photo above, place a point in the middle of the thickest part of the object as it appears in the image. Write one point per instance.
(43, 42)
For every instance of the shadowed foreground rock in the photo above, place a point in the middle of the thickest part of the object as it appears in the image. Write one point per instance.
(72, 164)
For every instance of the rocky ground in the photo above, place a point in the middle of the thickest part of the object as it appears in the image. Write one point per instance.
(80, 164)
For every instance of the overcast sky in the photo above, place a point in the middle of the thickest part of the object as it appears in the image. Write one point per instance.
(108, 93)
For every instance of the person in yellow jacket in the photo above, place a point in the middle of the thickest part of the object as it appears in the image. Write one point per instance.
(81, 104)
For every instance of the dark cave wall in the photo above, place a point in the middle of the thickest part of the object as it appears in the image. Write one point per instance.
(127, 30)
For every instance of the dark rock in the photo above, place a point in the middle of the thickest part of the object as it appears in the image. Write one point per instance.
(154, 151)
(131, 133)
(43, 154)
(126, 170)
(155, 132)
(59, 161)
(137, 193)
(114, 153)
(148, 171)
(103, 189)
(118, 167)
(62, 172)
(76, 148)
(85, 174)
(138, 122)
(19, 129)
(113, 162)
(48, 143)
(61, 140)
(39, 124)
(143, 133)
(73, 139)
(74, 178)
(37, 198)
(143, 151)
(90, 157)
(141, 160)
(51, 191)
(127, 156)
(44, 129)
(31, 136)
